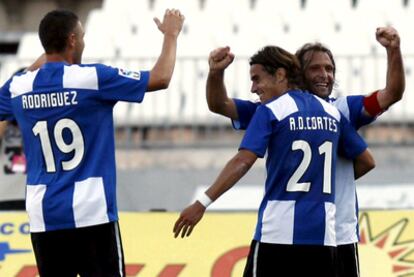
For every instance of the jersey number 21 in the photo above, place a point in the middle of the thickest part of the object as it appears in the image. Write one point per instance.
(324, 149)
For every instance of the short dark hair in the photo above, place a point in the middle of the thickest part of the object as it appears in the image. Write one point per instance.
(55, 28)
(274, 57)
(313, 47)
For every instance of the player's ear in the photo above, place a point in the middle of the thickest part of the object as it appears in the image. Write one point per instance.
(280, 74)
(71, 41)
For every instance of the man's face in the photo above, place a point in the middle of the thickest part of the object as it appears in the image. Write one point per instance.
(264, 84)
(319, 73)
(79, 43)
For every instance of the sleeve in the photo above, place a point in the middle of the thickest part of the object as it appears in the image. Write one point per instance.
(118, 84)
(245, 111)
(6, 112)
(357, 117)
(351, 144)
(256, 138)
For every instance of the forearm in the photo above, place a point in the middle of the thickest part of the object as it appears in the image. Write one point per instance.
(161, 73)
(216, 92)
(234, 170)
(395, 83)
(363, 164)
(217, 98)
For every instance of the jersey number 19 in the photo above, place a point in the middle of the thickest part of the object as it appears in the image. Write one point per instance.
(77, 144)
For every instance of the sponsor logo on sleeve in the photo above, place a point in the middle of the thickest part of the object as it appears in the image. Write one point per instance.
(136, 75)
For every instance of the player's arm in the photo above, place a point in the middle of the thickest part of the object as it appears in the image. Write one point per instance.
(234, 170)
(381, 100)
(3, 125)
(363, 163)
(352, 146)
(216, 93)
(161, 73)
(38, 63)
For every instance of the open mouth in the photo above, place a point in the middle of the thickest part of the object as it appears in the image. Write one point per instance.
(321, 85)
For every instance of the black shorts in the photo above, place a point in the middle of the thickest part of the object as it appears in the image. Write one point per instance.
(348, 260)
(280, 260)
(94, 251)
(12, 205)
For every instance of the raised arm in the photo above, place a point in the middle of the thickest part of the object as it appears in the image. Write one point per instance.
(216, 93)
(232, 172)
(161, 73)
(395, 79)
(363, 164)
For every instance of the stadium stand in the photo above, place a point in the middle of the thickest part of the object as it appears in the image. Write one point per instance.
(172, 147)
(130, 40)
(30, 47)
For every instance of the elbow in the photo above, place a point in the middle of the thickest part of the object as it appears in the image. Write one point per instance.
(213, 107)
(394, 94)
(370, 165)
(158, 80)
(164, 82)
(245, 160)
(397, 96)
(369, 162)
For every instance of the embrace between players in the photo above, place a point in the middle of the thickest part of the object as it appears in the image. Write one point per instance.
(307, 221)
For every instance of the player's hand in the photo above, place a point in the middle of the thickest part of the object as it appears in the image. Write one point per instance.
(388, 37)
(172, 22)
(189, 217)
(220, 58)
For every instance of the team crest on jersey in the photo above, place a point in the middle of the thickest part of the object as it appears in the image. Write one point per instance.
(129, 74)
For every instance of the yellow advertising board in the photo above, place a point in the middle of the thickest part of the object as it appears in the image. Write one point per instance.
(218, 246)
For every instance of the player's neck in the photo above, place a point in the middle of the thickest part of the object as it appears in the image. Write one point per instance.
(55, 57)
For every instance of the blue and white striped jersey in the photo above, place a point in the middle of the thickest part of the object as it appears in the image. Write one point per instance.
(301, 134)
(65, 114)
(346, 198)
(351, 107)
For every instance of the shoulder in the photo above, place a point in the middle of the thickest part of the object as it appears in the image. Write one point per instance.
(329, 108)
(282, 106)
(21, 83)
(347, 100)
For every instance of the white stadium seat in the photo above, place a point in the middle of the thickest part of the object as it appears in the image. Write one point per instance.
(131, 40)
(30, 47)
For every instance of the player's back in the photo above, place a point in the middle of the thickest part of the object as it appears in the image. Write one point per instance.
(67, 125)
(298, 206)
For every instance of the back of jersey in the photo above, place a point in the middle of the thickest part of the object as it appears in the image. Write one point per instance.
(301, 134)
(65, 114)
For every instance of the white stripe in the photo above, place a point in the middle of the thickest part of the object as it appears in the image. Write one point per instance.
(278, 222)
(330, 237)
(78, 77)
(342, 105)
(283, 106)
(255, 255)
(119, 248)
(89, 203)
(356, 258)
(22, 84)
(34, 207)
(329, 108)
